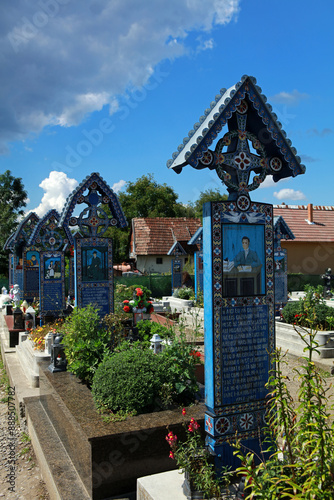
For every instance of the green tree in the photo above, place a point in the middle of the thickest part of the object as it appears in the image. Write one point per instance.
(146, 198)
(12, 201)
(207, 195)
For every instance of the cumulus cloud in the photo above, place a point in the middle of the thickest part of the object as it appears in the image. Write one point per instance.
(289, 98)
(61, 59)
(57, 187)
(289, 194)
(118, 186)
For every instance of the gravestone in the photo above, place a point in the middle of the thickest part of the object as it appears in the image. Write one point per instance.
(281, 231)
(94, 274)
(93, 263)
(238, 248)
(176, 251)
(16, 244)
(197, 239)
(52, 240)
(31, 266)
(52, 283)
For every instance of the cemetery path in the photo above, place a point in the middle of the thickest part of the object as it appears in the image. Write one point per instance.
(16, 451)
(28, 482)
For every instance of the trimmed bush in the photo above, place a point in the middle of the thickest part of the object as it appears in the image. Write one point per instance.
(130, 380)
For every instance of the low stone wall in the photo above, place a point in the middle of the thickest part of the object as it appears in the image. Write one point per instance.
(288, 339)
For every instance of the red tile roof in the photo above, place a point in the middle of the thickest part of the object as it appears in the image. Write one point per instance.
(155, 236)
(297, 217)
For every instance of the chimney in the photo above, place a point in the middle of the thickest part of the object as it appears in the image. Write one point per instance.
(310, 213)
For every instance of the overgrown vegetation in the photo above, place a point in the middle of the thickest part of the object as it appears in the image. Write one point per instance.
(297, 312)
(299, 436)
(85, 342)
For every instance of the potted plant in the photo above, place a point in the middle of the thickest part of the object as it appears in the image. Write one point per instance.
(138, 306)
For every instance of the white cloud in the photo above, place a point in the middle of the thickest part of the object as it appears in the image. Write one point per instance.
(269, 182)
(62, 59)
(118, 186)
(57, 187)
(290, 98)
(289, 194)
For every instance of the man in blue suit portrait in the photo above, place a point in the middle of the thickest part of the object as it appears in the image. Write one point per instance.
(246, 257)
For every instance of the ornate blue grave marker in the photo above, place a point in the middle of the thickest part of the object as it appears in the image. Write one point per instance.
(31, 266)
(238, 260)
(16, 244)
(52, 240)
(94, 274)
(281, 232)
(93, 264)
(176, 251)
(197, 239)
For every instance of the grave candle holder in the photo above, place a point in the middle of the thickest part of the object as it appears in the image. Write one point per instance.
(156, 342)
(18, 319)
(58, 358)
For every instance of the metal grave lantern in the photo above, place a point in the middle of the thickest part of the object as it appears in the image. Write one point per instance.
(238, 260)
(18, 319)
(58, 358)
(32, 312)
(156, 343)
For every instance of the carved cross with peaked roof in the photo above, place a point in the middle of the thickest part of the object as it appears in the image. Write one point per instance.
(250, 121)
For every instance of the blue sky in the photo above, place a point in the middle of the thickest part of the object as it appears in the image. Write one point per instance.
(114, 86)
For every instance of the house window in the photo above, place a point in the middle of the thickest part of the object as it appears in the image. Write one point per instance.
(159, 260)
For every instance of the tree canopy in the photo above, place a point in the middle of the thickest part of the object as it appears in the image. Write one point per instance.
(146, 198)
(207, 195)
(12, 201)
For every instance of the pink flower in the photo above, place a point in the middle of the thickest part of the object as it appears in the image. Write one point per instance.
(193, 425)
(171, 454)
(184, 411)
(171, 439)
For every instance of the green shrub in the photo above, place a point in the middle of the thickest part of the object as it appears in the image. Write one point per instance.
(313, 303)
(184, 293)
(130, 380)
(85, 342)
(116, 324)
(182, 380)
(147, 328)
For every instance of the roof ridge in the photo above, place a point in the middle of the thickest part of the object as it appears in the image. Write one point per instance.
(304, 207)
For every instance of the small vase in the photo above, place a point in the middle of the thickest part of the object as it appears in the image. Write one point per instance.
(190, 491)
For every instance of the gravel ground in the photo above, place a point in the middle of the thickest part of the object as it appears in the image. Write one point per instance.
(17, 459)
(28, 482)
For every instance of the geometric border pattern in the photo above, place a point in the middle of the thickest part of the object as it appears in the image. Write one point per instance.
(244, 418)
(109, 284)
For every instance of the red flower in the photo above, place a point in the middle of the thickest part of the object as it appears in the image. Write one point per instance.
(126, 309)
(139, 292)
(195, 354)
(184, 411)
(171, 454)
(125, 301)
(193, 425)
